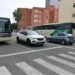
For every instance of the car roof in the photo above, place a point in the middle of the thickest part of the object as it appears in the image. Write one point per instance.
(25, 30)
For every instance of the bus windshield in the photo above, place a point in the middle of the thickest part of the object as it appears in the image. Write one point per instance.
(4, 25)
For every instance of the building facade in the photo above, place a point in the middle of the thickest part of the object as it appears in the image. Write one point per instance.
(25, 18)
(66, 11)
(37, 16)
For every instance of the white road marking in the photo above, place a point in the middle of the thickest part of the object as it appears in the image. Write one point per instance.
(49, 48)
(73, 53)
(67, 56)
(69, 47)
(23, 46)
(52, 67)
(25, 52)
(65, 62)
(4, 71)
(29, 70)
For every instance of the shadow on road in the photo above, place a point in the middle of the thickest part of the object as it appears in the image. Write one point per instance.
(4, 43)
(32, 45)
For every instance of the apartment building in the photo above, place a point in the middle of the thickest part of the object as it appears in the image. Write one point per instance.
(51, 13)
(25, 18)
(37, 16)
(66, 11)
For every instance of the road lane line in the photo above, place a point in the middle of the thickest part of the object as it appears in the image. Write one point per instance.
(73, 53)
(22, 46)
(69, 47)
(29, 70)
(25, 52)
(62, 61)
(52, 67)
(4, 71)
(67, 56)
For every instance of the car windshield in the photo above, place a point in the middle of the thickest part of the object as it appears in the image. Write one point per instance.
(32, 32)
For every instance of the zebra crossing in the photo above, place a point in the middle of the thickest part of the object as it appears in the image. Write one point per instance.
(30, 70)
(4, 71)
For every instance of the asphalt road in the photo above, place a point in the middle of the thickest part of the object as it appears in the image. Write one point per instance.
(50, 59)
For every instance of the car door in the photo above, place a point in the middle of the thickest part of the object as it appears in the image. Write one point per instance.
(57, 37)
(60, 37)
(23, 35)
(54, 37)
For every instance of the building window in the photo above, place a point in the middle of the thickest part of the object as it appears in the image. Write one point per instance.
(46, 21)
(40, 11)
(73, 4)
(73, 15)
(35, 20)
(36, 10)
(35, 15)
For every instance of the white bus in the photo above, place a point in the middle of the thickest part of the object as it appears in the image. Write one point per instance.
(5, 33)
(48, 29)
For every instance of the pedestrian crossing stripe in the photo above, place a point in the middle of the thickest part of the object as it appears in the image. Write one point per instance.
(67, 56)
(29, 70)
(52, 67)
(73, 53)
(4, 71)
(65, 62)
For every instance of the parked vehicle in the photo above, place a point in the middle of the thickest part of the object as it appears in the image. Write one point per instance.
(30, 37)
(52, 28)
(63, 38)
(5, 32)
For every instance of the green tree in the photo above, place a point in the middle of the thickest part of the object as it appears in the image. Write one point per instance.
(13, 26)
(17, 15)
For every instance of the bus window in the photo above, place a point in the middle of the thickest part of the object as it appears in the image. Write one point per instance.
(2, 27)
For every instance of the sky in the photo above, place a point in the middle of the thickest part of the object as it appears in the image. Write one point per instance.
(7, 7)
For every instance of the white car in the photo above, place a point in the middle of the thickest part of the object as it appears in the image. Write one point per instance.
(30, 37)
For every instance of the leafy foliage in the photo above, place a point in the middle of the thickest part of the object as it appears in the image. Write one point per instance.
(13, 26)
(17, 15)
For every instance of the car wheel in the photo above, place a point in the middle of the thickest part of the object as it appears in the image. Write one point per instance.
(71, 44)
(18, 41)
(63, 42)
(48, 40)
(28, 42)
